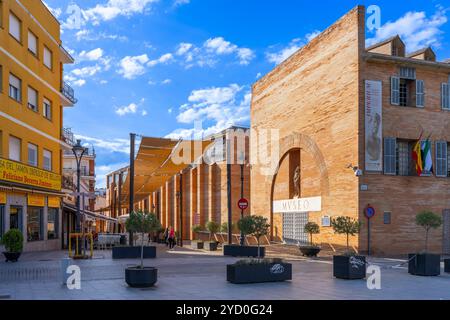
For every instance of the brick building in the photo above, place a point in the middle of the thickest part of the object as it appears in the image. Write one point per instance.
(347, 117)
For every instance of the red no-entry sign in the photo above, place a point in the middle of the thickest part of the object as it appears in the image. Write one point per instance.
(243, 204)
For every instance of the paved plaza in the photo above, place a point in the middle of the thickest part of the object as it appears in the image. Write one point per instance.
(198, 275)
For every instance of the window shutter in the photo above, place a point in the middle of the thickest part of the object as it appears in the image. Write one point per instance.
(32, 98)
(390, 156)
(14, 26)
(395, 91)
(441, 159)
(420, 93)
(445, 96)
(32, 42)
(14, 81)
(47, 58)
(47, 160)
(32, 155)
(14, 149)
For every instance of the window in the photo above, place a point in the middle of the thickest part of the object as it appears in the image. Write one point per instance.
(15, 87)
(15, 27)
(32, 155)
(441, 159)
(404, 151)
(52, 223)
(408, 73)
(445, 96)
(47, 160)
(15, 146)
(34, 224)
(48, 58)
(32, 99)
(390, 156)
(420, 93)
(387, 217)
(32, 43)
(15, 218)
(47, 108)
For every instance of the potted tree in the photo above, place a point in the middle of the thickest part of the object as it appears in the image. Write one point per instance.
(213, 228)
(425, 263)
(249, 225)
(311, 250)
(349, 265)
(141, 276)
(134, 252)
(13, 242)
(197, 244)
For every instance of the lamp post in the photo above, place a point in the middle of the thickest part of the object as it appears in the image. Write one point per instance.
(241, 160)
(78, 151)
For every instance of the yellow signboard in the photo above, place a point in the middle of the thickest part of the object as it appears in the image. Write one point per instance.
(54, 202)
(20, 173)
(36, 200)
(2, 197)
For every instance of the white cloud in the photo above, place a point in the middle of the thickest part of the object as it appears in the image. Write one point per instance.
(132, 108)
(220, 46)
(110, 145)
(86, 71)
(170, 110)
(167, 81)
(183, 48)
(415, 28)
(258, 75)
(92, 55)
(131, 67)
(283, 54)
(144, 113)
(115, 8)
(312, 35)
(55, 11)
(164, 59)
(221, 106)
(88, 35)
(102, 171)
(79, 82)
(179, 3)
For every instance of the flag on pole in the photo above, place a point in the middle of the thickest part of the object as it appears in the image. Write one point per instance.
(417, 156)
(427, 161)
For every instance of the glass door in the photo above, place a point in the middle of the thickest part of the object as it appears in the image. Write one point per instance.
(15, 217)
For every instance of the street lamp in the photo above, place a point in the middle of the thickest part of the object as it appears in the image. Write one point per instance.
(242, 160)
(78, 151)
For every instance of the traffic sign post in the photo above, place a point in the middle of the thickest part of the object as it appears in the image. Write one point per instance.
(369, 213)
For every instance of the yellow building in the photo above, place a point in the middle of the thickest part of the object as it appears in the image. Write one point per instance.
(32, 98)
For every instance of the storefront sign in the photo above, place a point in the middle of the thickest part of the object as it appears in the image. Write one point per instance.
(298, 205)
(19, 173)
(53, 202)
(374, 128)
(36, 200)
(2, 197)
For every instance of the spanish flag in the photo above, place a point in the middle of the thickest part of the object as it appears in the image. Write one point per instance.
(417, 156)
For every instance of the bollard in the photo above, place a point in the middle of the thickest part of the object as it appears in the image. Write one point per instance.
(65, 263)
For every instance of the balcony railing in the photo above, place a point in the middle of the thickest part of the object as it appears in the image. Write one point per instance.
(67, 136)
(68, 92)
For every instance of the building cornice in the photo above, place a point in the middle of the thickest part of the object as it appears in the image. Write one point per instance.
(379, 57)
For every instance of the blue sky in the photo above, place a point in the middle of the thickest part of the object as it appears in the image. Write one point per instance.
(153, 67)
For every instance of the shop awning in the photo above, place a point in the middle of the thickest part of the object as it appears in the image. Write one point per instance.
(158, 160)
(89, 214)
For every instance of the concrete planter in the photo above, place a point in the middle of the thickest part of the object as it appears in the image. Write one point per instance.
(349, 267)
(197, 244)
(210, 245)
(133, 252)
(426, 264)
(259, 272)
(243, 251)
(309, 251)
(141, 278)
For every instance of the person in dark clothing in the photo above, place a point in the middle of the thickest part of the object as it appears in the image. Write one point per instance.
(166, 236)
(171, 238)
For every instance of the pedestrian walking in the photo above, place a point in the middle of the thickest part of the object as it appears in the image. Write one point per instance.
(166, 236)
(171, 238)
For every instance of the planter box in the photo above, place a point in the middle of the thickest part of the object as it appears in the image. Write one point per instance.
(309, 251)
(243, 251)
(447, 265)
(210, 245)
(12, 256)
(141, 278)
(196, 244)
(426, 264)
(133, 252)
(349, 267)
(258, 273)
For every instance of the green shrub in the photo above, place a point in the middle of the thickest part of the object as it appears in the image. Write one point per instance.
(13, 241)
(197, 228)
(213, 228)
(428, 220)
(347, 226)
(256, 226)
(224, 227)
(312, 228)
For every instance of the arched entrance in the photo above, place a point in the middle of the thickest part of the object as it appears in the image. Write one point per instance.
(302, 177)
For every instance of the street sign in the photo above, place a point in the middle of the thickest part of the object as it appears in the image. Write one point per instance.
(243, 204)
(370, 212)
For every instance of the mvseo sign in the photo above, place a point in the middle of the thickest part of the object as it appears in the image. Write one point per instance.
(298, 205)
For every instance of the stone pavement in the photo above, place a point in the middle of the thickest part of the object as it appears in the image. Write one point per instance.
(198, 275)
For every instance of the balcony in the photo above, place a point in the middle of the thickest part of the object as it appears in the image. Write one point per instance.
(68, 92)
(68, 137)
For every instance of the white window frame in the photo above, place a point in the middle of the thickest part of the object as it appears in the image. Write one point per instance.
(48, 54)
(390, 156)
(15, 88)
(32, 38)
(33, 161)
(395, 91)
(15, 145)
(441, 159)
(420, 93)
(445, 96)
(47, 154)
(33, 105)
(13, 22)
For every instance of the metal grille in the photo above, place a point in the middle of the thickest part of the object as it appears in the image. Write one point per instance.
(446, 231)
(293, 227)
(403, 158)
